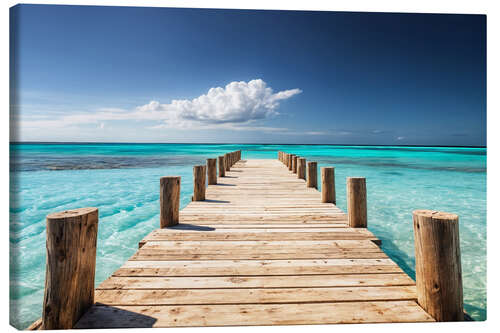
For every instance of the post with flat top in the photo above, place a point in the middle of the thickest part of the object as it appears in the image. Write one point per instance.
(312, 174)
(301, 168)
(199, 180)
(227, 162)
(212, 171)
(290, 164)
(294, 163)
(437, 264)
(328, 185)
(222, 168)
(70, 267)
(170, 189)
(356, 202)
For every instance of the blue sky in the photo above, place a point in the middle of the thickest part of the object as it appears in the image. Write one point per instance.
(118, 74)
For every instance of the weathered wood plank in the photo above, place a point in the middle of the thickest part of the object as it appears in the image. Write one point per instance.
(256, 267)
(254, 295)
(151, 255)
(272, 314)
(259, 245)
(302, 281)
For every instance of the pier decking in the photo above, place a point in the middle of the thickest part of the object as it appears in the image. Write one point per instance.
(260, 250)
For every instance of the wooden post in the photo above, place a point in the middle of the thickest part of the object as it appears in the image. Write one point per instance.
(328, 185)
(222, 169)
(301, 168)
(438, 266)
(312, 174)
(170, 189)
(294, 163)
(199, 179)
(290, 164)
(227, 162)
(70, 267)
(212, 171)
(356, 202)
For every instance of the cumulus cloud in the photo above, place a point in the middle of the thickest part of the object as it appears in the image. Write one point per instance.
(237, 106)
(237, 102)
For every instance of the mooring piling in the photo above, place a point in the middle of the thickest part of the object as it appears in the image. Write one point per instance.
(199, 182)
(212, 171)
(438, 265)
(312, 174)
(356, 202)
(170, 188)
(328, 185)
(70, 267)
(301, 168)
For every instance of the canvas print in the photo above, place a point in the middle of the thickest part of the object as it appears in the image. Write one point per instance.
(185, 167)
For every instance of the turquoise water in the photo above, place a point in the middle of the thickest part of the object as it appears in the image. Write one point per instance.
(122, 180)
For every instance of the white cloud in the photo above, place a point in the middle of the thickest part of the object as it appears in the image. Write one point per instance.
(237, 103)
(399, 138)
(237, 106)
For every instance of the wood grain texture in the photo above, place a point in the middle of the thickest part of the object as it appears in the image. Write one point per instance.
(328, 185)
(356, 202)
(312, 174)
(199, 182)
(170, 189)
(212, 171)
(70, 267)
(438, 265)
(105, 316)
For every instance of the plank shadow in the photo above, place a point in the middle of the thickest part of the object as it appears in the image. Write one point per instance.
(187, 226)
(105, 316)
(216, 201)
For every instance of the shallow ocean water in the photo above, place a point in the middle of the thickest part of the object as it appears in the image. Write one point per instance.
(122, 180)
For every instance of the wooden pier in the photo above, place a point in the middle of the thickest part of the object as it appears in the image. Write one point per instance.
(261, 246)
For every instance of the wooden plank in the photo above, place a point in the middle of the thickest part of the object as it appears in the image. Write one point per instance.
(255, 295)
(263, 226)
(256, 267)
(302, 281)
(260, 245)
(272, 314)
(256, 235)
(151, 255)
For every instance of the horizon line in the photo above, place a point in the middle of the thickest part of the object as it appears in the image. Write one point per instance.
(218, 143)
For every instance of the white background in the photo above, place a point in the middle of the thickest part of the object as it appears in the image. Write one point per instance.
(491, 8)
